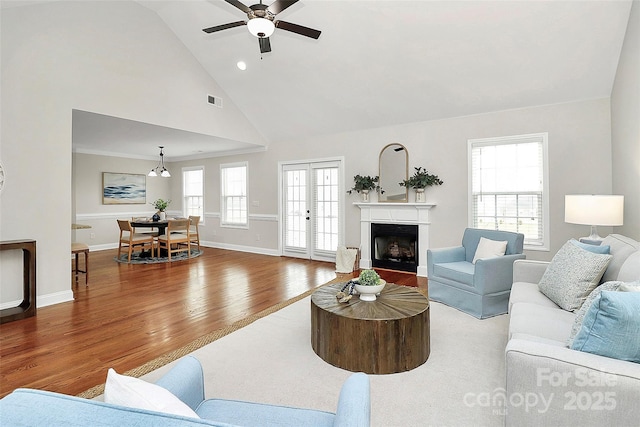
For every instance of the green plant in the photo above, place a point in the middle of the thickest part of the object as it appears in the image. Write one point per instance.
(421, 179)
(368, 183)
(369, 278)
(161, 205)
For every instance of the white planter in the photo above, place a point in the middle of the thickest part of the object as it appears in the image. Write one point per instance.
(420, 196)
(365, 196)
(368, 293)
(163, 215)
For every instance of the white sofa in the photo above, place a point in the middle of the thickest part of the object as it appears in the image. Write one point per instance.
(548, 383)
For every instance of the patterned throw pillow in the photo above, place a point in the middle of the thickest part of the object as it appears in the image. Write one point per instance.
(577, 323)
(571, 276)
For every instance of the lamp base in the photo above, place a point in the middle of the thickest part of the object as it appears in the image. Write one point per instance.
(593, 238)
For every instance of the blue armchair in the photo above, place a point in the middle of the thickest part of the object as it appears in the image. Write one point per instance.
(481, 289)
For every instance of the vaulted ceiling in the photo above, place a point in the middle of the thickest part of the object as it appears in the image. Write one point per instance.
(387, 62)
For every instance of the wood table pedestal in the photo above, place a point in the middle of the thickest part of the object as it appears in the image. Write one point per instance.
(385, 336)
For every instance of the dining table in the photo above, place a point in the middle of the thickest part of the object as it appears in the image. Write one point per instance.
(160, 224)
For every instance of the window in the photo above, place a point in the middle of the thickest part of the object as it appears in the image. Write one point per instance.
(509, 186)
(193, 192)
(233, 179)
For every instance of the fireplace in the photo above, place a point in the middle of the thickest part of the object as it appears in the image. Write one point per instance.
(414, 214)
(394, 246)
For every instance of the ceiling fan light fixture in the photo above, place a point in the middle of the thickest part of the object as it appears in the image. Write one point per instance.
(261, 27)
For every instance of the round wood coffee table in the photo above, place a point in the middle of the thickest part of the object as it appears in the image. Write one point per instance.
(385, 336)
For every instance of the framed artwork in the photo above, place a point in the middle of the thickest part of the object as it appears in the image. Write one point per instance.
(123, 188)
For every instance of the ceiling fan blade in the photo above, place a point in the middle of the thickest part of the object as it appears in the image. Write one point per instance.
(265, 44)
(239, 5)
(280, 5)
(224, 26)
(298, 29)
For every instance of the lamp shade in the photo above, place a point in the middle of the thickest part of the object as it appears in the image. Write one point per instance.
(606, 210)
(261, 27)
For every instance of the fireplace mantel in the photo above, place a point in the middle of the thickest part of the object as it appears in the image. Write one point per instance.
(395, 213)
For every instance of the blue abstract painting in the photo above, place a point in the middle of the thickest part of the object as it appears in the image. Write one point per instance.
(123, 188)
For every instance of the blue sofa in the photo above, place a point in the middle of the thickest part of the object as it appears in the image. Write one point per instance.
(27, 407)
(481, 289)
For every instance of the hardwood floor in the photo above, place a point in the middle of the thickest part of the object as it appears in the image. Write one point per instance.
(131, 314)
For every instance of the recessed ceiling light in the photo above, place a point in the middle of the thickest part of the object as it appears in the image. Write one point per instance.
(242, 65)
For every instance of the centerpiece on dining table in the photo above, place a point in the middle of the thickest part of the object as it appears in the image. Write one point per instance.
(161, 206)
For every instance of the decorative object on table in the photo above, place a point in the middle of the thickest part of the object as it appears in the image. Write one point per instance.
(161, 205)
(593, 210)
(346, 296)
(369, 284)
(420, 180)
(160, 169)
(123, 188)
(155, 217)
(364, 184)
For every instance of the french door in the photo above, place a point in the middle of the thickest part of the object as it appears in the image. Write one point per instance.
(312, 209)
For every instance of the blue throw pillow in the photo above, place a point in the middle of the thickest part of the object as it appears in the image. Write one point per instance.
(596, 249)
(611, 327)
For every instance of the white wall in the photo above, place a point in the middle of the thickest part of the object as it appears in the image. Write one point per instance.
(113, 58)
(579, 162)
(625, 127)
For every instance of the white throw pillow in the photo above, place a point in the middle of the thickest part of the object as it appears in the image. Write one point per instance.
(136, 393)
(488, 248)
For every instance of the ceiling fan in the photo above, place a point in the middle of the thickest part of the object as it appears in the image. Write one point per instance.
(262, 22)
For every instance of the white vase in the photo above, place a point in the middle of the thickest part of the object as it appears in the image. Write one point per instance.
(365, 196)
(368, 293)
(163, 215)
(420, 196)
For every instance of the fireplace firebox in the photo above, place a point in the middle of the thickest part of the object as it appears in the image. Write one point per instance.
(394, 246)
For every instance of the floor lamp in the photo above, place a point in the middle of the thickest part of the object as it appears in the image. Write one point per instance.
(593, 210)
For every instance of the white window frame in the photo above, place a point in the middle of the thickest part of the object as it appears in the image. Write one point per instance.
(543, 138)
(224, 221)
(184, 196)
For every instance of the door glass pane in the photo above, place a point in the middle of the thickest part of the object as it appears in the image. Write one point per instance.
(326, 219)
(295, 215)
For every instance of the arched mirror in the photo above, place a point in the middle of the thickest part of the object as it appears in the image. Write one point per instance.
(394, 161)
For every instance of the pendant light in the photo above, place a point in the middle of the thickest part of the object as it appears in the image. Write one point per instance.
(160, 169)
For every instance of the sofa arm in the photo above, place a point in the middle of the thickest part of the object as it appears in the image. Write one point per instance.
(185, 381)
(494, 274)
(554, 385)
(354, 403)
(528, 270)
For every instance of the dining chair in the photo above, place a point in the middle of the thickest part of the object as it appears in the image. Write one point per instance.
(130, 239)
(194, 235)
(177, 237)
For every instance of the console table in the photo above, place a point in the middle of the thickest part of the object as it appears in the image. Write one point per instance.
(385, 336)
(28, 306)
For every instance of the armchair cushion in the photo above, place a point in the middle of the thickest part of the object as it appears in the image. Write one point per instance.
(136, 393)
(488, 248)
(459, 271)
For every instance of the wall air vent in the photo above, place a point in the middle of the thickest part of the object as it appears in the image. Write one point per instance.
(214, 100)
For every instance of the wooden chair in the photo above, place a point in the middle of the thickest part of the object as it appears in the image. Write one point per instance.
(77, 249)
(130, 239)
(177, 237)
(193, 229)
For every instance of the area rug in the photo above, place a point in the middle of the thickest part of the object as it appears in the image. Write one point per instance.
(144, 258)
(271, 361)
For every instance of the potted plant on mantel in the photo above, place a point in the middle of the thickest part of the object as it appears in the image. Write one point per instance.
(364, 184)
(420, 180)
(160, 205)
